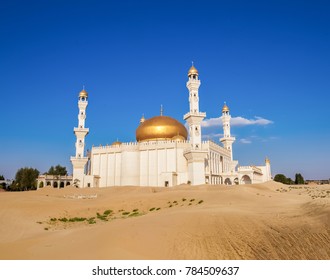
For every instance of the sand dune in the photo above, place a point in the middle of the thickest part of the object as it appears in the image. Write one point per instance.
(264, 221)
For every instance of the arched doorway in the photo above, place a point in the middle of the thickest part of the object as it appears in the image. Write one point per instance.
(227, 181)
(41, 184)
(62, 185)
(55, 185)
(246, 180)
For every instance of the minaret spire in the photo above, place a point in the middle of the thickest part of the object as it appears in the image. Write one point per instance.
(227, 140)
(79, 160)
(195, 155)
(194, 117)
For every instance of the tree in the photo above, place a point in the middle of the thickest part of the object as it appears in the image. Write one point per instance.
(299, 179)
(57, 170)
(280, 178)
(1, 177)
(25, 179)
(283, 179)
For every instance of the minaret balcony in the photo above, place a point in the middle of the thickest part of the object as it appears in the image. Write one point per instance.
(194, 114)
(81, 129)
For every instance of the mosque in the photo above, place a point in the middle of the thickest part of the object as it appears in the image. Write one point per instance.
(165, 154)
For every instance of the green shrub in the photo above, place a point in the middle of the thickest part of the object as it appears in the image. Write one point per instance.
(101, 217)
(134, 214)
(152, 209)
(107, 212)
(91, 220)
(77, 219)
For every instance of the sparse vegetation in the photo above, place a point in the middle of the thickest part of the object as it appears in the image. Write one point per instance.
(107, 212)
(91, 220)
(101, 217)
(134, 214)
(110, 214)
(77, 219)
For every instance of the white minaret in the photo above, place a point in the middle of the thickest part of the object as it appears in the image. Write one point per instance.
(195, 155)
(194, 117)
(79, 160)
(227, 140)
(268, 175)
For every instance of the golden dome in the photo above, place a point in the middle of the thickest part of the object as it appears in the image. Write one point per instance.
(225, 108)
(192, 71)
(83, 93)
(178, 138)
(160, 128)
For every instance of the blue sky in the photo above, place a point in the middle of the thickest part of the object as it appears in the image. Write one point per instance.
(269, 60)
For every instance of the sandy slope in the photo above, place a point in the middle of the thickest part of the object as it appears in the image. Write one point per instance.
(266, 221)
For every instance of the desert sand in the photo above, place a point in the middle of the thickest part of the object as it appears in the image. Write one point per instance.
(262, 221)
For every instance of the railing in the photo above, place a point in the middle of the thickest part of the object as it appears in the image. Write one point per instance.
(250, 168)
(197, 114)
(141, 144)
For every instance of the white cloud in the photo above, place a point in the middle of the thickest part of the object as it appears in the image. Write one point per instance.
(236, 121)
(240, 121)
(212, 136)
(212, 122)
(245, 141)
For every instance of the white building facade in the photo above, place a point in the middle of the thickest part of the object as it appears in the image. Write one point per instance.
(165, 154)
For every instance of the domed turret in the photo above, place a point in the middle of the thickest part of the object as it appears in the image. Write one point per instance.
(225, 108)
(116, 143)
(83, 94)
(192, 71)
(160, 128)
